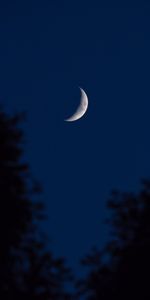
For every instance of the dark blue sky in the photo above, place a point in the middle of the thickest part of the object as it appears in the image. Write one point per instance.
(47, 50)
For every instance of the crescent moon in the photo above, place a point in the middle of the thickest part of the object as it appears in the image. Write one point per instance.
(82, 108)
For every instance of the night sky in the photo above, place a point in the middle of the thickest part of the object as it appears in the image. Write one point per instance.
(47, 50)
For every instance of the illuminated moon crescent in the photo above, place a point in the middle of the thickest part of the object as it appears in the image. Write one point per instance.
(82, 108)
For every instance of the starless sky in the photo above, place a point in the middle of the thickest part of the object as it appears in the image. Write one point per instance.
(47, 50)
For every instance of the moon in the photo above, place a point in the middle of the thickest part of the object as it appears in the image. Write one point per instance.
(82, 108)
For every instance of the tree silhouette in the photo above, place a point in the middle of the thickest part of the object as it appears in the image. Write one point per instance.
(125, 273)
(27, 269)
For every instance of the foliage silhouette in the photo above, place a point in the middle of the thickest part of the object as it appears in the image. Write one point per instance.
(27, 269)
(125, 273)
